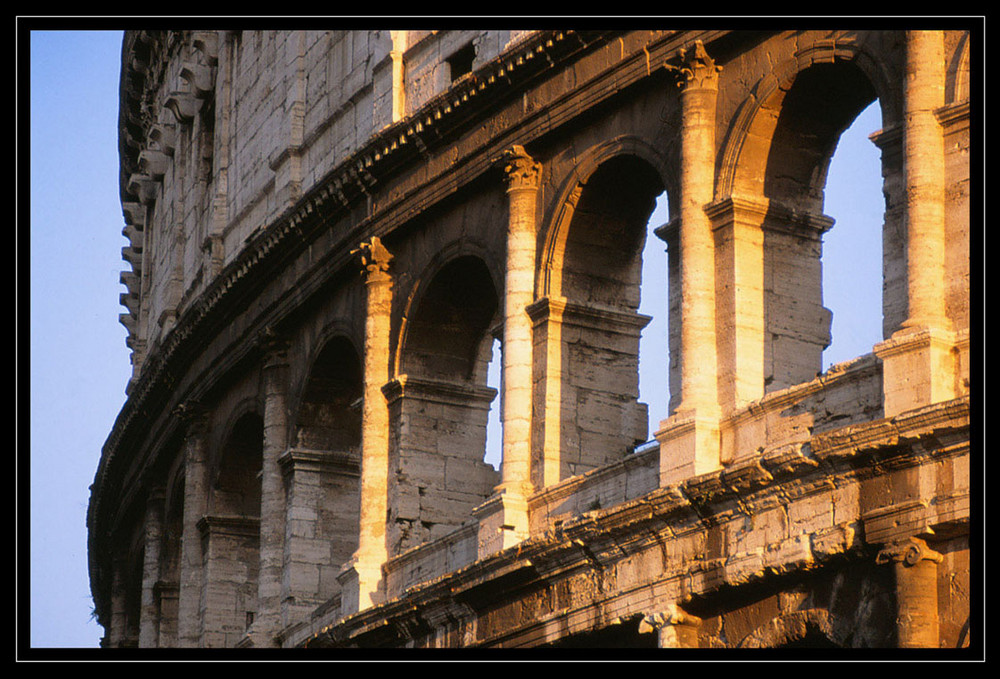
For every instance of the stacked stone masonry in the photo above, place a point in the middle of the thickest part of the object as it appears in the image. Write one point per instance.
(329, 231)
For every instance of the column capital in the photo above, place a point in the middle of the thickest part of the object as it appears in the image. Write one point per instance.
(273, 345)
(694, 69)
(907, 552)
(521, 171)
(675, 627)
(193, 417)
(374, 259)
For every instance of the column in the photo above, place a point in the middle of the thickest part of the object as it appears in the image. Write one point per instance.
(267, 622)
(189, 615)
(149, 616)
(115, 636)
(361, 578)
(674, 628)
(504, 518)
(918, 363)
(689, 441)
(915, 566)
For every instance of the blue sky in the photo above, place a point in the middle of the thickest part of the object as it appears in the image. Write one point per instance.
(79, 362)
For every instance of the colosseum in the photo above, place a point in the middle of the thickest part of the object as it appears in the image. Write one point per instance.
(336, 237)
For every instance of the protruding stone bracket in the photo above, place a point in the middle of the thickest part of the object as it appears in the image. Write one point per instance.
(184, 106)
(207, 42)
(153, 163)
(199, 79)
(163, 137)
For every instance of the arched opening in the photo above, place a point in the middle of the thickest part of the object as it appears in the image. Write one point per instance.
(588, 327)
(168, 587)
(494, 424)
(322, 475)
(654, 345)
(852, 249)
(236, 490)
(329, 417)
(822, 102)
(231, 534)
(780, 324)
(439, 405)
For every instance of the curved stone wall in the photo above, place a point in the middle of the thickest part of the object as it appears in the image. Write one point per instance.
(329, 230)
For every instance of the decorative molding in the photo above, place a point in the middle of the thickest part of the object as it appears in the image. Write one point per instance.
(521, 171)
(694, 69)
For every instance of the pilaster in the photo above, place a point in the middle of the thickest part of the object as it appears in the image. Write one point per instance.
(361, 579)
(267, 622)
(189, 618)
(522, 175)
(149, 616)
(689, 440)
(919, 359)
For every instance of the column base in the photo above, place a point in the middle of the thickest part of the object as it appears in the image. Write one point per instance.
(361, 587)
(503, 521)
(918, 369)
(689, 446)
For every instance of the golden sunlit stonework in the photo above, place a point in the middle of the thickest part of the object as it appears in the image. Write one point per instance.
(330, 230)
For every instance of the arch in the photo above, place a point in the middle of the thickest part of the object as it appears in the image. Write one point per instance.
(769, 202)
(587, 325)
(327, 416)
(808, 628)
(439, 402)
(749, 127)
(567, 200)
(452, 252)
(960, 90)
(235, 488)
(448, 321)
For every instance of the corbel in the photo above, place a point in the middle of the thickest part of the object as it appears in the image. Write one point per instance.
(132, 257)
(135, 237)
(128, 320)
(163, 137)
(207, 42)
(153, 163)
(183, 105)
(135, 214)
(143, 187)
(130, 301)
(199, 79)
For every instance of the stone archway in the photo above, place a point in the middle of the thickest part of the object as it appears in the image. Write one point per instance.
(810, 628)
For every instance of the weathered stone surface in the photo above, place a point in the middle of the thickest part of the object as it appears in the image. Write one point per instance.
(329, 230)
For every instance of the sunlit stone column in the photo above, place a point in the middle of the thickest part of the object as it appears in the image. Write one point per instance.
(915, 566)
(189, 615)
(149, 616)
(689, 440)
(505, 521)
(267, 622)
(361, 579)
(918, 362)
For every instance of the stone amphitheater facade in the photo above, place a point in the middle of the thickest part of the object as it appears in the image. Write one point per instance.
(330, 229)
